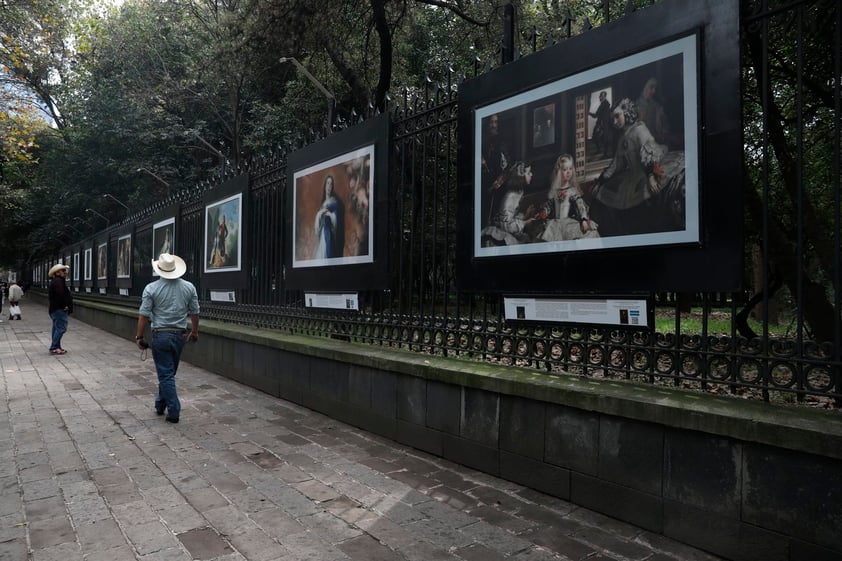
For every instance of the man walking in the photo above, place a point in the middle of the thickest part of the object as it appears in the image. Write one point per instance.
(61, 305)
(166, 304)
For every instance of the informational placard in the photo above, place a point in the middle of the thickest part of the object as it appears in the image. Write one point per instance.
(223, 296)
(625, 312)
(124, 292)
(335, 301)
(102, 290)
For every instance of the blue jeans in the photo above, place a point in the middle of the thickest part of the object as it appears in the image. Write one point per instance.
(166, 352)
(59, 318)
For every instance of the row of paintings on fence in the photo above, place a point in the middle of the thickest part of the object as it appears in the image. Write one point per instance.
(590, 157)
(223, 223)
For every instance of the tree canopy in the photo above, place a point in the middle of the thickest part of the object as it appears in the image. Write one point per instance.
(153, 96)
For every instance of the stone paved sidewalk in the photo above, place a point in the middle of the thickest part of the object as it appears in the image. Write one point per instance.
(89, 472)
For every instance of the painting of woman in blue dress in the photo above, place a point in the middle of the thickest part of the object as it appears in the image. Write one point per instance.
(329, 224)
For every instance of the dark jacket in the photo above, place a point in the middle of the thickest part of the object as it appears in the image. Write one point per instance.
(60, 296)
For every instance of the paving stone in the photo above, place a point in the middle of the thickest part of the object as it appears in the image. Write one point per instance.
(317, 491)
(289, 499)
(41, 489)
(495, 516)
(136, 512)
(110, 476)
(61, 552)
(79, 489)
(386, 531)
(606, 523)
(439, 534)
(51, 531)
(496, 497)
(99, 535)
(306, 546)
(229, 520)
(10, 504)
(249, 500)
(348, 510)
(12, 527)
(163, 496)
(496, 538)
(329, 527)
(255, 545)
(36, 473)
(397, 511)
(204, 543)
(672, 548)
(612, 544)
(120, 494)
(13, 549)
(205, 499)
(414, 464)
(42, 509)
(149, 537)
(478, 552)
(542, 516)
(560, 544)
(187, 481)
(453, 497)
(87, 510)
(365, 548)
(445, 514)
(226, 483)
(423, 551)
(182, 518)
(276, 523)
(363, 494)
(537, 553)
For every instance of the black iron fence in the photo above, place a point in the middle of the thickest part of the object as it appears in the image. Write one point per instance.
(779, 339)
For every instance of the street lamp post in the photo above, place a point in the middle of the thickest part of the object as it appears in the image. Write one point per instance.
(153, 174)
(331, 99)
(107, 222)
(115, 199)
(80, 220)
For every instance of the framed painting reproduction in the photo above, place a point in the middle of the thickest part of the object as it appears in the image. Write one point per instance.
(88, 264)
(223, 243)
(593, 162)
(331, 205)
(124, 256)
(102, 264)
(225, 236)
(163, 238)
(338, 205)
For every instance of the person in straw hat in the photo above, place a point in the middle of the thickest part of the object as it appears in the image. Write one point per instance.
(61, 305)
(166, 304)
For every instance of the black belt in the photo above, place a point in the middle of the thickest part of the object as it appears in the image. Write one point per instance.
(169, 329)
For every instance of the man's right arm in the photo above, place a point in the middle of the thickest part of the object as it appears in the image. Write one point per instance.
(194, 327)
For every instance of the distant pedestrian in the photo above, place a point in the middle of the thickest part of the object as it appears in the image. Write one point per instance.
(15, 294)
(61, 305)
(166, 304)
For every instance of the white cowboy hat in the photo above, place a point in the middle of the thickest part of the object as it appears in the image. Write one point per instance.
(169, 266)
(56, 268)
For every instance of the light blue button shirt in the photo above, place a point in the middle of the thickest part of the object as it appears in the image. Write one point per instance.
(169, 303)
